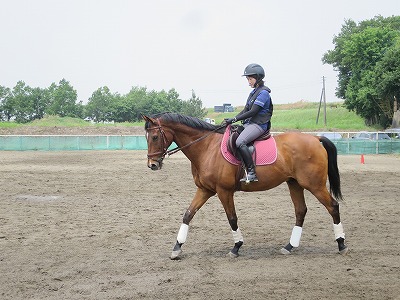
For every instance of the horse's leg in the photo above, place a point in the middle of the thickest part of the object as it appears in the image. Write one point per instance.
(332, 206)
(198, 201)
(300, 209)
(226, 198)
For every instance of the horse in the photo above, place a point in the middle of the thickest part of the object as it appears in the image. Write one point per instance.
(303, 161)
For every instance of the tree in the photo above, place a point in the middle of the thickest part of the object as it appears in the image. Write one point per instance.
(100, 104)
(62, 100)
(21, 103)
(357, 56)
(5, 107)
(194, 107)
(127, 107)
(40, 99)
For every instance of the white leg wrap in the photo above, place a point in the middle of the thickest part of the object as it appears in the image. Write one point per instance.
(182, 234)
(296, 235)
(338, 230)
(237, 236)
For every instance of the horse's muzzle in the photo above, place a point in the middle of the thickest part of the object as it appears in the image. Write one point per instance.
(154, 164)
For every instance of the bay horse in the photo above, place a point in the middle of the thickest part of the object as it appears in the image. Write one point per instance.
(303, 161)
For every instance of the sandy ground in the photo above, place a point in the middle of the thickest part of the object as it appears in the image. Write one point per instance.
(101, 225)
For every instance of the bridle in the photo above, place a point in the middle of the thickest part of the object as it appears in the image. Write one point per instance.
(165, 142)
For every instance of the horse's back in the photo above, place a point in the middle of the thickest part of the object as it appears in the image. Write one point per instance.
(298, 143)
(301, 150)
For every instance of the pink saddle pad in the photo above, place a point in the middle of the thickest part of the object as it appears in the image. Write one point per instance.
(266, 152)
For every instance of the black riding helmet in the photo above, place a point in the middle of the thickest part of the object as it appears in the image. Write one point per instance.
(254, 70)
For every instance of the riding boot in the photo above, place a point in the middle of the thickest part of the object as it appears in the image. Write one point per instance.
(249, 163)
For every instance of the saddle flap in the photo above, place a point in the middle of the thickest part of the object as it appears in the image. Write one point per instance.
(266, 149)
(235, 130)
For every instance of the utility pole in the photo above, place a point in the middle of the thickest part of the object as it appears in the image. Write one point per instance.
(323, 96)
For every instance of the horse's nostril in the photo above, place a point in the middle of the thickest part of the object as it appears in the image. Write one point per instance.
(154, 167)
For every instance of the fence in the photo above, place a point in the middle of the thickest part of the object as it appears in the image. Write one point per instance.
(367, 146)
(72, 142)
(126, 142)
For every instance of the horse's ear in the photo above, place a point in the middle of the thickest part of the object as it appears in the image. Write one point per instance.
(148, 119)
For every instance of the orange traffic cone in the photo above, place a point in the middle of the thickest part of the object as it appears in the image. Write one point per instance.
(362, 159)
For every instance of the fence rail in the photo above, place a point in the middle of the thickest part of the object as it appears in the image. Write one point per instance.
(72, 142)
(130, 142)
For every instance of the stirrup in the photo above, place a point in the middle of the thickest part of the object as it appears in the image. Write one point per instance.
(249, 177)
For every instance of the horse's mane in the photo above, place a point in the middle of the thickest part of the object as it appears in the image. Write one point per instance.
(189, 121)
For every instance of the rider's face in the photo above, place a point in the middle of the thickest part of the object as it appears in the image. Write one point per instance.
(251, 80)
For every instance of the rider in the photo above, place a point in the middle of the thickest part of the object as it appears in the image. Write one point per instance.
(256, 116)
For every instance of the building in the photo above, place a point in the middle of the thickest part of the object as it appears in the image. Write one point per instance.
(226, 107)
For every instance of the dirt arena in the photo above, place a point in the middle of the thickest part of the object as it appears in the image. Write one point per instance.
(101, 225)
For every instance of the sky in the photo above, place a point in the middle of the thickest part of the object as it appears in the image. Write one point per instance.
(201, 46)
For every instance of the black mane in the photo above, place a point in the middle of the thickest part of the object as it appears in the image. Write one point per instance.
(189, 121)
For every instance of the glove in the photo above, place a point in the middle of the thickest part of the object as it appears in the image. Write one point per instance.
(230, 121)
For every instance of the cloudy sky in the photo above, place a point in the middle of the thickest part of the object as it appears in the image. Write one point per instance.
(187, 45)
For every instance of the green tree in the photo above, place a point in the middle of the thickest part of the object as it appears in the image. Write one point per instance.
(194, 107)
(156, 102)
(62, 100)
(22, 103)
(357, 56)
(387, 78)
(6, 110)
(40, 99)
(100, 105)
(127, 107)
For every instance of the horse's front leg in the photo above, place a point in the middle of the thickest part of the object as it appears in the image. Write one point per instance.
(198, 201)
(226, 198)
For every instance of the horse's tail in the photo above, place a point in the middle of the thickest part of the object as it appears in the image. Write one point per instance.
(333, 170)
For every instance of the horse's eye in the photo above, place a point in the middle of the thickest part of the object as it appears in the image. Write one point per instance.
(155, 138)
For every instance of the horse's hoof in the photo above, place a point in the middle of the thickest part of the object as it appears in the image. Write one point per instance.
(232, 255)
(285, 251)
(344, 251)
(176, 254)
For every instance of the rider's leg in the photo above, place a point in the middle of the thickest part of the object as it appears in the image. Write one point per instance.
(248, 161)
(249, 134)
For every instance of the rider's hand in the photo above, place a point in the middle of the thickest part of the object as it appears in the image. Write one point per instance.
(230, 121)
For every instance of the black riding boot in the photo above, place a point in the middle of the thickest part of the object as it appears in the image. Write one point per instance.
(248, 161)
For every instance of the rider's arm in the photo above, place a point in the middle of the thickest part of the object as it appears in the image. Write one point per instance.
(248, 114)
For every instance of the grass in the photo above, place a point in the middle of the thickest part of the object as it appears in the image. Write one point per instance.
(295, 116)
(52, 121)
(303, 115)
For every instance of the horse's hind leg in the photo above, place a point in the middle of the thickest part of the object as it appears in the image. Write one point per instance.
(332, 206)
(300, 209)
(198, 201)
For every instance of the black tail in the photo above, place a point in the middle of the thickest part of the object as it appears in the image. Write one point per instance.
(333, 171)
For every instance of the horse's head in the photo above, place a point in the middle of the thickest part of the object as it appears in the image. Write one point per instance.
(158, 141)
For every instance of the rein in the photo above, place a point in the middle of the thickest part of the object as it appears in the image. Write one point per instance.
(165, 141)
(177, 149)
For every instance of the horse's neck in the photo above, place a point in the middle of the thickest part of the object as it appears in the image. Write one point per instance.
(195, 145)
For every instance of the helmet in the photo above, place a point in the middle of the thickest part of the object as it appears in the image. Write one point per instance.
(254, 69)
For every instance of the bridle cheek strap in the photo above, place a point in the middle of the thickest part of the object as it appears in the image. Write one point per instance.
(164, 142)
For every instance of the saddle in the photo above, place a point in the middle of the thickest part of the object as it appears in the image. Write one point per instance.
(235, 130)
